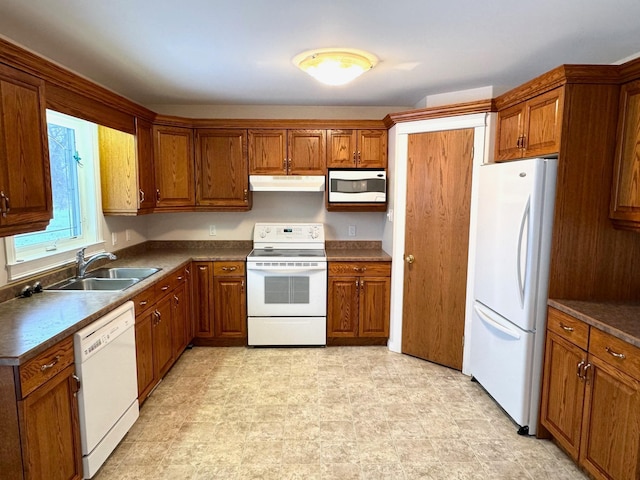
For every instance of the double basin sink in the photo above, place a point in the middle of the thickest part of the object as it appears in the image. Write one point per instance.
(106, 279)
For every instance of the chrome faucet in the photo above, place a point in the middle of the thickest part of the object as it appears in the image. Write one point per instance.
(83, 264)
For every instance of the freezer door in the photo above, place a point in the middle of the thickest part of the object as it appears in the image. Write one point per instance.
(501, 361)
(514, 222)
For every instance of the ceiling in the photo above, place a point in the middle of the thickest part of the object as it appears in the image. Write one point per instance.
(238, 52)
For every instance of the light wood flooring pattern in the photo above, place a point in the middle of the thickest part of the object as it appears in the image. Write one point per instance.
(325, 413)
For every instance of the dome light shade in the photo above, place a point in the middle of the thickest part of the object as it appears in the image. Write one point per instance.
(335, 66)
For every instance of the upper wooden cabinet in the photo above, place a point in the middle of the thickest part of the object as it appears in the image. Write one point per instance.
(173, 159)
(25, 180)
(287, 152)
(126, 170)
(356, 148)
(531, 128)
(222, 169)
(625, 193)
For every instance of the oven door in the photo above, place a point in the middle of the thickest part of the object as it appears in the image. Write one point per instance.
(286, 291)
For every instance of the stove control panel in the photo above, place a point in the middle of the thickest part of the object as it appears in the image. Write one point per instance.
(288, 233)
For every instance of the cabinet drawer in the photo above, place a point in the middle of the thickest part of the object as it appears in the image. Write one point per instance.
(144, 299)
(616, 352)
(374, 269)
(228, 268)
(569, 328)
(46, 365)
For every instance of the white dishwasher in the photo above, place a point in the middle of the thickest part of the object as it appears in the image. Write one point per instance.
(105, 357)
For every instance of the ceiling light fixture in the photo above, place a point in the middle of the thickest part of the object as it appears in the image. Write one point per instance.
(335, 66)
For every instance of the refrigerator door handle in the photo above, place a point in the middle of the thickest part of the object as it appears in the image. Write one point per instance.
(492, 323)
(523, 236)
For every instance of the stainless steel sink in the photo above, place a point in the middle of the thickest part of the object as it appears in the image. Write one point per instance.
(101, 284)
(123, 272)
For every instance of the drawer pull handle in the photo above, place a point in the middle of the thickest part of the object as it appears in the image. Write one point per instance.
(565, 328)
(621, 356)
(229, 269)
(165, 288)
(580, 365)
(143, 303)
(47, 366)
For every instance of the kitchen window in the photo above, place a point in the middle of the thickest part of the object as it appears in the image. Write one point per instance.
(76, 222)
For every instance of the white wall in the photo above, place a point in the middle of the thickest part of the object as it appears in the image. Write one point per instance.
(267, 207)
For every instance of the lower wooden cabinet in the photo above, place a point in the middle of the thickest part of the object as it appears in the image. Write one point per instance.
(162, 328)
(219, 303)
(40, 428)
(358, 302)
(591, 397)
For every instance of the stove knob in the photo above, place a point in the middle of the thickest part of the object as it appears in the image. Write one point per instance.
(263, 234)
(268, 229)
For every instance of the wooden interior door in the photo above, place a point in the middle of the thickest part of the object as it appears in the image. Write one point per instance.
(437, 238)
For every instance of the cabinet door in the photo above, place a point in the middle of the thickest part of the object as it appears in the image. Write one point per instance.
(25, 181)
(625, 201)
(374, 306)
(230, 318)
(563, 392)
(307, 152)
(342, 317)
(267, 152)
(146, 178)
(173, 158)
(144, 354)
(179, 320)
(118, 171)
(50, 431)
(610, 446)
(162, 344)
(202, 308)
(509, 132)
(341, 148)
(372, 149)
(543, 123)
(222, 170)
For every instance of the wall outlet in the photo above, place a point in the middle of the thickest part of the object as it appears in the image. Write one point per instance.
(352, 230)
(212, 230)
(114, 238)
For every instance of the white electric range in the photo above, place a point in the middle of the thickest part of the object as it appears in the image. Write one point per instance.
(287, 285)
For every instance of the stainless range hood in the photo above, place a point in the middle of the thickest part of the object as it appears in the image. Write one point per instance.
(287, 183)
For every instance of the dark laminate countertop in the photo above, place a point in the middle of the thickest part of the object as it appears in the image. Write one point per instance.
(30, 325)
(622, 320)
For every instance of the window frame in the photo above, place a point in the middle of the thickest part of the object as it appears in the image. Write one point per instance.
(37, 259)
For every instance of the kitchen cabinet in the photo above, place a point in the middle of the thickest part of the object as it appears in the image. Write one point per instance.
(219, 303)
(287, 152)
(222, 169)
(600, 407)
(230, 302)
(530, 128)
(162, 328)
(40, 428)
(356, 148)
(174, 165)
(625, 192)
(358, 301)
(126, 170)
(25, 179)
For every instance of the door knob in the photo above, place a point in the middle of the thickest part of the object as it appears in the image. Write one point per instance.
(409, 259)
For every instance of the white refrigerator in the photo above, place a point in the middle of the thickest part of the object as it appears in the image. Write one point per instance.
(515, 219)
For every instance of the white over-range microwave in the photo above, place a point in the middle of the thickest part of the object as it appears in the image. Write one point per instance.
(357, 186)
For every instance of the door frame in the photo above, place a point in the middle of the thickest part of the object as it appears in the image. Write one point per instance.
(394, 228)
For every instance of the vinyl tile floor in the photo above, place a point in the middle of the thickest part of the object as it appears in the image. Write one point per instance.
(325, 413)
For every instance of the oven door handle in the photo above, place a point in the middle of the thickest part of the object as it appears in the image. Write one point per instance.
(285, 271)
